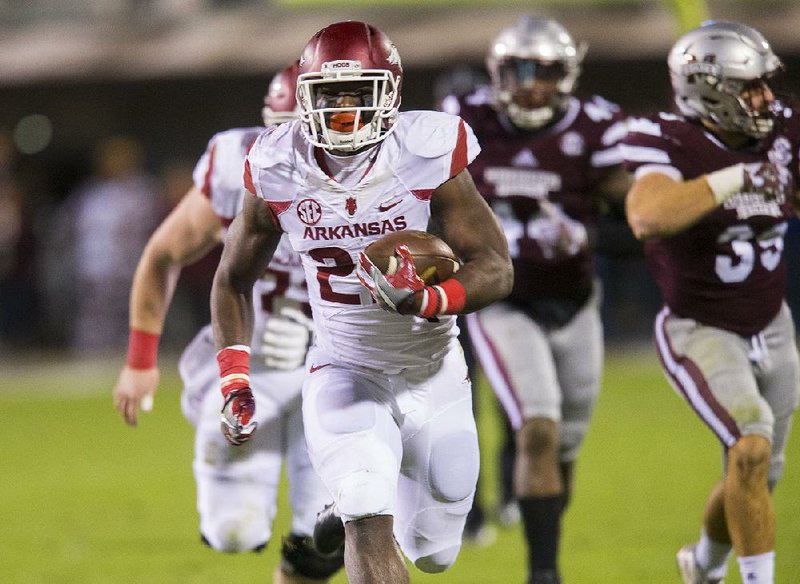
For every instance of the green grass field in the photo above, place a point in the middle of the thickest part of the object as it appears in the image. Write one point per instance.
(87, 500)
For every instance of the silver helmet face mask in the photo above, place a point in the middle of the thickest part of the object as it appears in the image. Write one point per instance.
(534, 49)
(714, 67)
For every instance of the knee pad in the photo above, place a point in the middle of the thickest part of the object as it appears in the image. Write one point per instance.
(432, 538)
(438, 561)
(572, 435)
(575, 417)
(234, 536)
(454, 466)
(364, 494)
(775, 470)
(300, 558)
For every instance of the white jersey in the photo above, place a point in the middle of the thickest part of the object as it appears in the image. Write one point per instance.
(218, 174)
(329, 224)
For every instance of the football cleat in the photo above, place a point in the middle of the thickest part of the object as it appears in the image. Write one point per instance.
(300, 558)
(689, 570)
(328, 530)
(477, 531)
(509, 514)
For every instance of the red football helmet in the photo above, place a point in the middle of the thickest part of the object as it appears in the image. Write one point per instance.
(280, 102)
(348, 89)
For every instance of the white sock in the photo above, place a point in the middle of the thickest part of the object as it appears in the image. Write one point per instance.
(758, 569)
(712, 556)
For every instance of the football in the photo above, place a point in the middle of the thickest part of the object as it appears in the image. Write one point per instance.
(433, 258)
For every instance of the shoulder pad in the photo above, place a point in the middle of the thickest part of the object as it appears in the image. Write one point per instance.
(599, 109)
(483, 95)
(236, 139)
(451, 105)
(431, 134)
(273, 146)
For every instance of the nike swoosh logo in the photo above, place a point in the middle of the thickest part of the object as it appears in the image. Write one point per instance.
(387, 206)
(317, 367)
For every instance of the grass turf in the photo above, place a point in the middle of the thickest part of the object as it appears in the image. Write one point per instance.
(87, 500)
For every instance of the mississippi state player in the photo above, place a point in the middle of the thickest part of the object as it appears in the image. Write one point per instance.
(715, 186)
(386, 403)
(237, 488)
(547, 160)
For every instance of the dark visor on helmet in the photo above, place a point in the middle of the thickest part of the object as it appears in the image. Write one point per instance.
(532, 69)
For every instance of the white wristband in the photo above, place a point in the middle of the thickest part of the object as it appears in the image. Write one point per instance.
(726, 182)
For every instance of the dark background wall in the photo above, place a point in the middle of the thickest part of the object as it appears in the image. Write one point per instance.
(175, 117)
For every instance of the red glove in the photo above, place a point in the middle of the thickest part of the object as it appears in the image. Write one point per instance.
(403, 291)
(237, 416)
(240, 406)
(395, 291)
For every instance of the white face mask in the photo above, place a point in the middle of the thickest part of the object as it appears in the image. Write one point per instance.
(361, 115)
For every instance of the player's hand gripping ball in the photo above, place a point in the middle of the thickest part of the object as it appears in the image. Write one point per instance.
(397, 266)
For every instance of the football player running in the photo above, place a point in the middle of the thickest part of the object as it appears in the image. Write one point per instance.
(386, 403)
(715, 187)
(548, 159)
(237, 488)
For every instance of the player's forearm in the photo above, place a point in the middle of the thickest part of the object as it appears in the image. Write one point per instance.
(152, 291)
(231, 312)
(486, 279)
(658, 206)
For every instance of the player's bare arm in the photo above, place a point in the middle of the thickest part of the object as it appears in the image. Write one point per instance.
(657, 205)
(464, 220)
(190, 231)
(187, 234)
(249, 245)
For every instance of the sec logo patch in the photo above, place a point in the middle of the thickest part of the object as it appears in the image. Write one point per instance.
(309, 211)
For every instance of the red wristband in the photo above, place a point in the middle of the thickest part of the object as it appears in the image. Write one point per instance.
(234, 368)
(448, 297)
(142, 349)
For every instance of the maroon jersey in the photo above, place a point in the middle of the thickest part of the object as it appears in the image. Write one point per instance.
(728, 269)
(562, 164)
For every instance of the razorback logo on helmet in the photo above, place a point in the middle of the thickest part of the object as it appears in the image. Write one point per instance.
(309, 211)
(394, 56)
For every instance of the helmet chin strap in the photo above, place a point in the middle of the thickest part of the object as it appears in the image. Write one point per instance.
(343, 135)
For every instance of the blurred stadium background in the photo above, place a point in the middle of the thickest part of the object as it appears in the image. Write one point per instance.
(89, 86)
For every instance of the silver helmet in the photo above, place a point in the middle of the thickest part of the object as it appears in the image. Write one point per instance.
(533, 49)
(712, 66)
